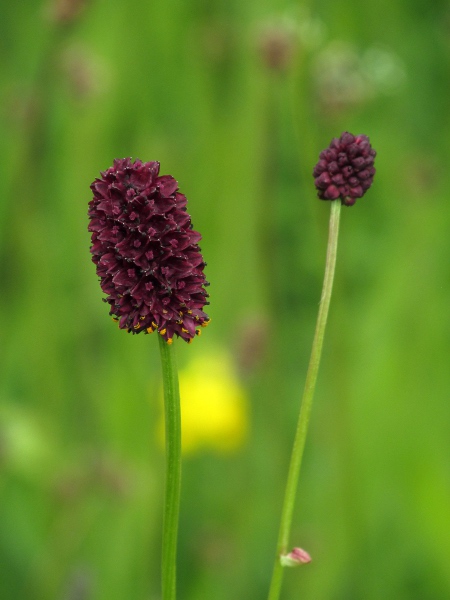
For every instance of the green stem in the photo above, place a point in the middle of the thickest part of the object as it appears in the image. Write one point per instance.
(308, 393)
(173, 468)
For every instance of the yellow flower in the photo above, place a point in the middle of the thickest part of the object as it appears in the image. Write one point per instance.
(214, 412)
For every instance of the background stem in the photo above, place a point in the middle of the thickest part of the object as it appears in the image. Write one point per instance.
(308, 393)
(173, 468)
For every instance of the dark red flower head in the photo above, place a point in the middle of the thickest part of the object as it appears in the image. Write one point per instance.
(345, 169)
(146, 252)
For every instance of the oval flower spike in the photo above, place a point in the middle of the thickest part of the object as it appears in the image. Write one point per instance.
(345, 169)
(147, 254)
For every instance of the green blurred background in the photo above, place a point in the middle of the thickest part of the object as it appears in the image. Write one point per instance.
(235, 99)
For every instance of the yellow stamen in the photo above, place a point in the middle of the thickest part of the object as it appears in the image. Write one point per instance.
(137, 326)
(154, 325)
(190, 341)
(150, 330)
(115, 319)
(189, 312)
(142, 318)
(169, 341)
(163, 331)
(184, 330)
(206, 323)
(198, 332)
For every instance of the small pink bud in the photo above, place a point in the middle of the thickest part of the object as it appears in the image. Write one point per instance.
(296, 557)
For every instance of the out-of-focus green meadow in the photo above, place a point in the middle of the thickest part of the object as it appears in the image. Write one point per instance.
(236, 100)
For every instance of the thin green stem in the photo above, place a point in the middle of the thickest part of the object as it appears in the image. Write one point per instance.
(173, 468)
(305, 411)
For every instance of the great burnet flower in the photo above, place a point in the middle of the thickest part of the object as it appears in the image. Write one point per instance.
(345, 169)
(147, 254)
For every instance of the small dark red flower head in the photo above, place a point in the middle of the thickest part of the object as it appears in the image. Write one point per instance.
(147, 254)
(345, 169)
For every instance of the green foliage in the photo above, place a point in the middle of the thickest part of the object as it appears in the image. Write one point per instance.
(187, 83)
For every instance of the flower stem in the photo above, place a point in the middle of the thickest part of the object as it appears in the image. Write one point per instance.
(308, 393)
(173, 468)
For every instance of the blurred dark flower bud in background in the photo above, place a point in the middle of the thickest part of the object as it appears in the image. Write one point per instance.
(345, 169)
(80, 583)
(281, 38)
(252, 345)
(147, 254)
(277, 44)
(66, 12)
(87, 76)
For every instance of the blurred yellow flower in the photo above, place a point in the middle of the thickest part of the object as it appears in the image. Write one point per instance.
(214, 410)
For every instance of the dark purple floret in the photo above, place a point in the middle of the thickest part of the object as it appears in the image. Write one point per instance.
(345, 169)
(147, 254)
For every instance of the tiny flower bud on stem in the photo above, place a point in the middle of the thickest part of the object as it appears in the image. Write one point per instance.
(296, 557)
